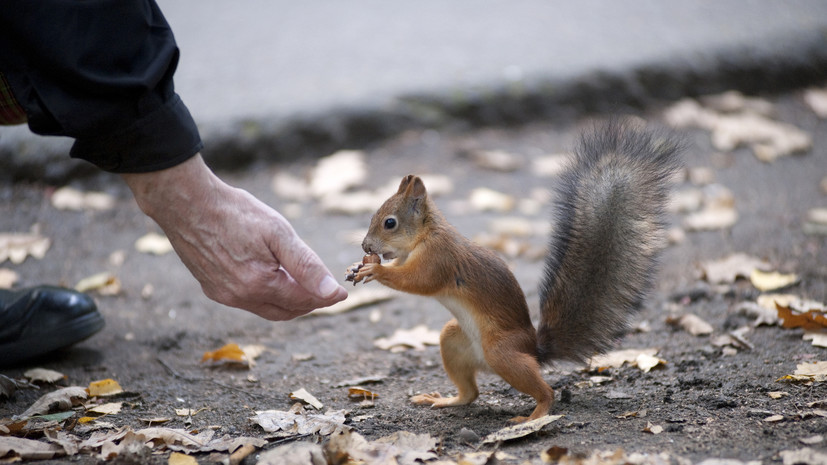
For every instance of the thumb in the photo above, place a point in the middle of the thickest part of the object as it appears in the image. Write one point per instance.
(302, 263)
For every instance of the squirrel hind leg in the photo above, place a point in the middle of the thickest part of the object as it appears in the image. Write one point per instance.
(460, 365)
(522, 372)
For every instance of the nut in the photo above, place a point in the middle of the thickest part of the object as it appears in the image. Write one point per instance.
(371, 258)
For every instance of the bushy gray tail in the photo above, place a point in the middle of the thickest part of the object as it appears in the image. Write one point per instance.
(608, 232)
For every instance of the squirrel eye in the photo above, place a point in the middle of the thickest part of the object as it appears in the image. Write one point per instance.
(390, 223)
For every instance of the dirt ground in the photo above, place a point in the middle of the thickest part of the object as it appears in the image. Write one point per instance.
(710, 401)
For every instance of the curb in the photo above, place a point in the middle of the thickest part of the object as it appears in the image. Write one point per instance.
(777, 66)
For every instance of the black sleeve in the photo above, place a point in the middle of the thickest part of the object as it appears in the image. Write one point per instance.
(99, 71)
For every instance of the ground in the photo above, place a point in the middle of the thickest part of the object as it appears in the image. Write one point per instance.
(710, 401)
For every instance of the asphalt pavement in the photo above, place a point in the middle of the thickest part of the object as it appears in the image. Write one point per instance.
(275, 80)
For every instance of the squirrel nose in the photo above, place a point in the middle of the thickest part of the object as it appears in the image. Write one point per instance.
(365, 246)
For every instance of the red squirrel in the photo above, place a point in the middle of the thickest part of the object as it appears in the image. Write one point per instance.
(602, 257)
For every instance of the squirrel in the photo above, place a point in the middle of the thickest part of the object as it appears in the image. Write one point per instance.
(602, 259)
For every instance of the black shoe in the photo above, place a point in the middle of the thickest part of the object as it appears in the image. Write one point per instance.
(41, 319)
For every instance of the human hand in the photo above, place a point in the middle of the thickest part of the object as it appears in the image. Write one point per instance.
(244, 253)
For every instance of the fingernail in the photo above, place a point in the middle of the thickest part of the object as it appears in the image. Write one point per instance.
(328, 286)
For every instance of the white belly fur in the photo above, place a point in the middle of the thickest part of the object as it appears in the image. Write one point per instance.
(469, 327)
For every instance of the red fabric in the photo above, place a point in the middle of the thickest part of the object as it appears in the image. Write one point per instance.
(10, 111)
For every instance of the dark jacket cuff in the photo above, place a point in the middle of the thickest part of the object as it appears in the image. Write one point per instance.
(161, 139)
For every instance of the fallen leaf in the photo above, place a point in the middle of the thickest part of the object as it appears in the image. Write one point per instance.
(521, 430)
(360, 393)
(68, 198)
(727, 270)
(808, 372)
(646, 362)
(772, 280)
(653, 429)
(550, 165)
(299, 452)
(816, 221)
(297, 421)
(17, 246)
(29, 449)
(812, 440)
(484, 199)
(155, 420)
(816, 99)
(778, 394)
(338, 172)
(62, 399)
(817, 339)
(370, 379)
(188, 412)
(416, 338)
(43, 375)
(153, 243)
(177, 458)
(618, 358)
(110, 408)
(358, 298)
(711, 219)
(228, 353)
(104, 283)
(307, 398)
(773, 419)
(495, 160)
(692, 324)
(8, 278)
(813, 320)
(104, 387)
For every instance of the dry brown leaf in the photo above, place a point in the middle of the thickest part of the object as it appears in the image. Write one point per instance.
(692, 324)
(62, 399)
(17, 246)
(43, 375)
(298, 452)
(8, 278)
(771, 280)
(815, 319)
(68, 198)
(618, 358)
(550, 165)
(816, 99)
(153, 243)
(483, 199)
(104, 283)
(727, 270)
(104, 387)
(711, 219)
(29, 449)
(521, 430)
(496, 160)
(110, 408)
(416, 338)
(653, 429)
(297, 421)
(307, 398)
(338, 172)
(356, 299)
(808, 372)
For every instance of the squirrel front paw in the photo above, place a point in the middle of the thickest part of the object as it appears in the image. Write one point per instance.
(362, 270)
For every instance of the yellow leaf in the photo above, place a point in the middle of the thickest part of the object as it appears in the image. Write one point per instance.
(767, 281)
(177, 458)
(361, 393)
(104, 387)
(229, 353)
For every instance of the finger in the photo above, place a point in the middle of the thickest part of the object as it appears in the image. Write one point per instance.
(307, 269)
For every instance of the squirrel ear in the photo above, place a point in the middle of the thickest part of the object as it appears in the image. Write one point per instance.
(416, 188)
(403, 186)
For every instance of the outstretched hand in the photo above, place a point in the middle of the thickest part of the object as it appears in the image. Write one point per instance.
(244, 253)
